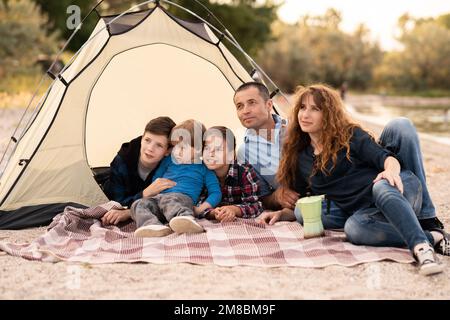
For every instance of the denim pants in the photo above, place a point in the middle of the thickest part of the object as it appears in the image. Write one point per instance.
(400, 137)
(370, 226)
(392, 220)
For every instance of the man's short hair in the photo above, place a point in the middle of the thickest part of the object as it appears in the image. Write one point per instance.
(262, 89)
(161, 126)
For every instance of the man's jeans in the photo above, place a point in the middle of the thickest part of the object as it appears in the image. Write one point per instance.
(371, 227)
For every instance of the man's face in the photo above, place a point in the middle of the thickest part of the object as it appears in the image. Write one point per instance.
(252, 110)
(153, 148)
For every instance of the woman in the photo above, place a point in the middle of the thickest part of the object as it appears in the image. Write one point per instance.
(133, 167)
(376, 203)
(239, 183)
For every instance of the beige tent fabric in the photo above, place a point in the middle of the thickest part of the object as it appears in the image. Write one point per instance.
(27, 145)
(131, 102)
(91, 48)
(157, 68)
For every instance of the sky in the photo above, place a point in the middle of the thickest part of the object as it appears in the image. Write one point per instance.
(380, 16)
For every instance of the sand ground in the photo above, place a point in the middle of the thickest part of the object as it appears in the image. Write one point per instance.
(22, 279)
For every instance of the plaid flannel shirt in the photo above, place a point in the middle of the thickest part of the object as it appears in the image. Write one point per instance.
(241, 189)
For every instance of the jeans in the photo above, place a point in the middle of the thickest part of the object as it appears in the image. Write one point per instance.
(400, 137)
(335, 218)
(393, 219)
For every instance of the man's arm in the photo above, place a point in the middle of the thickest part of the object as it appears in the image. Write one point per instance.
(266, 193)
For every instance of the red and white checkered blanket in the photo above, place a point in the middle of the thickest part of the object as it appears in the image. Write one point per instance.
(77, 235)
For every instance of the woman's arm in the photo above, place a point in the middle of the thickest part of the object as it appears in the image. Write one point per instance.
(365, 148)
(270, 217)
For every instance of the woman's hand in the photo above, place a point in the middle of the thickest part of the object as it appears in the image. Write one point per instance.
(226, 213)
(157, 186)
(391, 173)
(115, 216)
(392, 177)
(286, 197)
(269, 217)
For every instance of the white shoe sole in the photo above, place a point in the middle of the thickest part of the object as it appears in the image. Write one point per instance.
(149, 232)
(185, 225)
(432, 268)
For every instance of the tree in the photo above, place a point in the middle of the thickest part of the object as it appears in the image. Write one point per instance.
(22, 36)
(444, 20)
(57, 14)
(424, 61)
(247, 20)
(316, 50)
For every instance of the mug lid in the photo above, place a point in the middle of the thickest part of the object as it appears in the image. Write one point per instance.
(311, 199)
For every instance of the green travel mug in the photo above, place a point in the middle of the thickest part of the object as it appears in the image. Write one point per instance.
(311, 210)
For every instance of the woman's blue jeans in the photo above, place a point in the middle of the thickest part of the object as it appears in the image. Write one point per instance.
(392, 220)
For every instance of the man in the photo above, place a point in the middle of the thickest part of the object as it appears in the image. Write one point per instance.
(133, 168)
(264, 138)
(262, 142)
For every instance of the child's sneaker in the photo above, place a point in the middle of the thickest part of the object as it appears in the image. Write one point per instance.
(185, 224)
(153, 230)
(443, 246)
(427, 261)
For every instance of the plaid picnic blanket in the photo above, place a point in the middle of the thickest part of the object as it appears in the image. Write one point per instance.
(77, 235)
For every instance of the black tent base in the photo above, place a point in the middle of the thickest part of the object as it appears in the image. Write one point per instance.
(32, 216)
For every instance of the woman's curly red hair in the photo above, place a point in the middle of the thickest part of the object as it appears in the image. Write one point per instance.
(337, 129)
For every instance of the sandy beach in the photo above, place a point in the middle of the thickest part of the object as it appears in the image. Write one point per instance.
(23, 279)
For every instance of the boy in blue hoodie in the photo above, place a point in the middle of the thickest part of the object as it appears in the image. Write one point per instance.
(175, 206)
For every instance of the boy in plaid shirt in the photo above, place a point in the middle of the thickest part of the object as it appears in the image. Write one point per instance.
(239, 182)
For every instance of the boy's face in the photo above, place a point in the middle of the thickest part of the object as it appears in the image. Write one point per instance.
(215, 153)
(183, 153)
(153, 148)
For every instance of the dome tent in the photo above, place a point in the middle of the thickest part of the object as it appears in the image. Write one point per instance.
(135, 66)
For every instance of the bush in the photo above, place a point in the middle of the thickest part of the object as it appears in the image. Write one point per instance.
(22, 37)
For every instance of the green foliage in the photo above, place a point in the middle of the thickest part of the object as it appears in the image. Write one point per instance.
(22, 37)
(57, 14)
(444, 20)
(248, 21)
(424, 61)
(316, 50)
